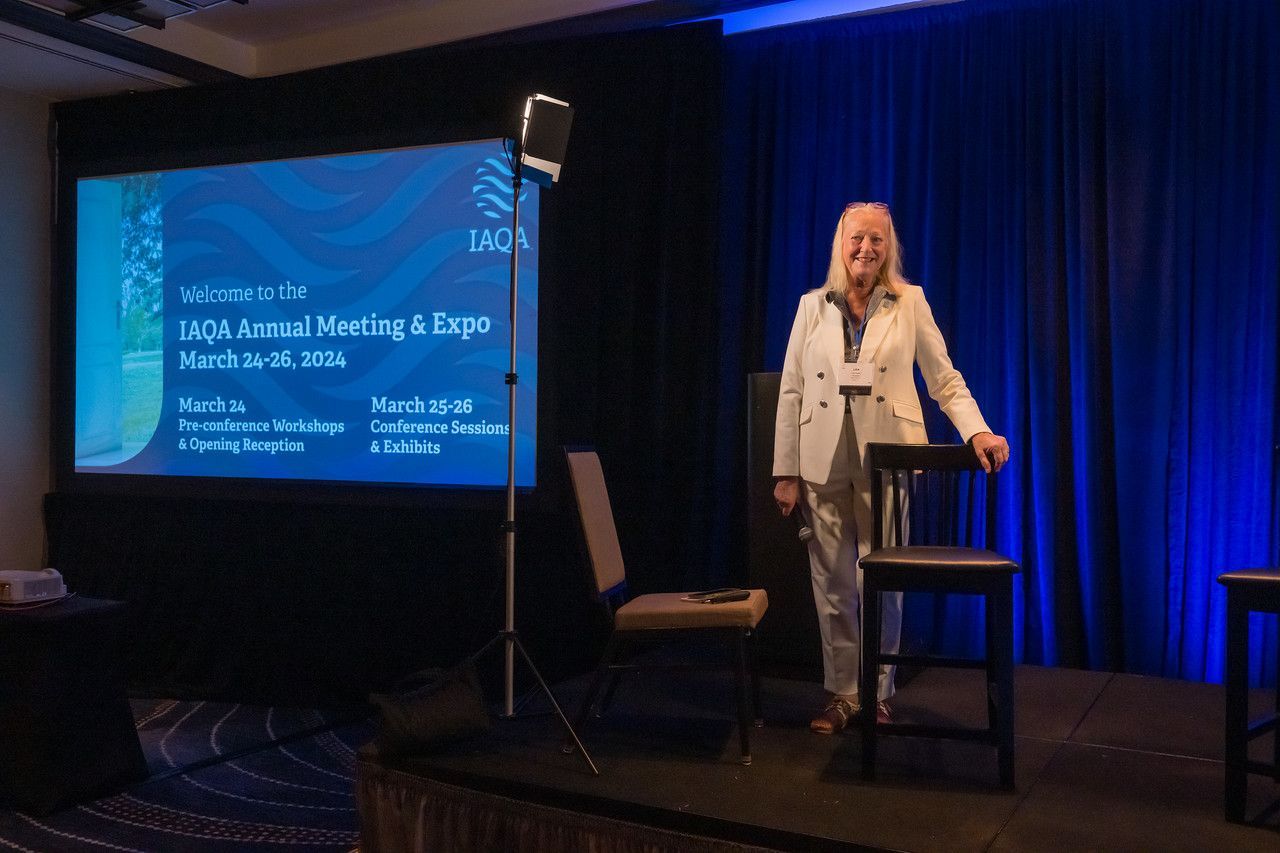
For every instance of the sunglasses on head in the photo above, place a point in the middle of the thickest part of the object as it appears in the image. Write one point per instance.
(878, 205)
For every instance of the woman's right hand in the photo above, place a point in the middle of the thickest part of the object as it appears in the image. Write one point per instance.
(785, 493)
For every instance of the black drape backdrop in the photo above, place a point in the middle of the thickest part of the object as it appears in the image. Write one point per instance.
(306, 594)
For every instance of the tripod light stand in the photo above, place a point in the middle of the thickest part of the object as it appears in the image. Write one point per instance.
(539, 147)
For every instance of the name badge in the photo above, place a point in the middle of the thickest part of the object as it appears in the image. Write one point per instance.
(855, 377)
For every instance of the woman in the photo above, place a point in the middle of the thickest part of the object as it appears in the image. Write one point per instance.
(846, 381)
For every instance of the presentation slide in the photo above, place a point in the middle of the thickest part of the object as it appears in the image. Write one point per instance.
(340, 318)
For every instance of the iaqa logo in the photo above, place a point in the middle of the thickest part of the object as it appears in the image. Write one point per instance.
(493, 195)
(492, 190)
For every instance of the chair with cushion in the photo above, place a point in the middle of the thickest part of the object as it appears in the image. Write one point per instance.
(657, 617)
(1248, 591)
(930, 478)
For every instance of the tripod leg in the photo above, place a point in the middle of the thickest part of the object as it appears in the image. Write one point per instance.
(485, 648)
(556, 705)
(525, 700)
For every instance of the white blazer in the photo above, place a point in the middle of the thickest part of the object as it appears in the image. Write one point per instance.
(811, 408)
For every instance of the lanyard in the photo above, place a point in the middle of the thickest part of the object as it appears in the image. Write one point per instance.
(853, 338)
(853, 335)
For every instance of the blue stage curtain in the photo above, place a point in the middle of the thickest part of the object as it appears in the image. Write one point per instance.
(1089, 193)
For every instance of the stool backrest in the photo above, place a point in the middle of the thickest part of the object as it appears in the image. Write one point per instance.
(938, 484)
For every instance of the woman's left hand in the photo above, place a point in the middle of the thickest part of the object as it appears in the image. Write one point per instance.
(992, 450)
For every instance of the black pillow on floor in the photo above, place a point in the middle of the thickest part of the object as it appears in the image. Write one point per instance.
(448, 709)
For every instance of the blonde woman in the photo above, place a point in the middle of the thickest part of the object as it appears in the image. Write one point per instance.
(846, 381)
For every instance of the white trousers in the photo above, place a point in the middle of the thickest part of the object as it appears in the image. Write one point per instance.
(840, 514)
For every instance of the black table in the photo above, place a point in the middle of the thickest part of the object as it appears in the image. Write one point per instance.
(66, 730)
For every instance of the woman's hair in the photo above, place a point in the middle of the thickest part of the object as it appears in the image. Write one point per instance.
(890, 274)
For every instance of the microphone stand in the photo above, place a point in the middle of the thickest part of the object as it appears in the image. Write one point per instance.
(508, 635)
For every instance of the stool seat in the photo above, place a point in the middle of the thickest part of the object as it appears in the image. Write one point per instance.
(940, 557)
(1260, 579)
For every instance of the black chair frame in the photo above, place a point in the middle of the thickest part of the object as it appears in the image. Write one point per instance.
(1243, 599)
(995, 587)
(615, 662)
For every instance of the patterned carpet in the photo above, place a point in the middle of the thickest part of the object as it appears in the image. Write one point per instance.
(223, 778)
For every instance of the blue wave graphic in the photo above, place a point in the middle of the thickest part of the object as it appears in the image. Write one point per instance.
(355, 162)
(492, 181)
(176, 183)
(181, 251)
(493, 188)
(499, 278)
(408, 197)
(390, 371)
(493, 201)
(409, 275)
(281, 180)
(269, 244)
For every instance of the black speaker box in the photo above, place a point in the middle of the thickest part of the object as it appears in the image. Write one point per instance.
(777, 561)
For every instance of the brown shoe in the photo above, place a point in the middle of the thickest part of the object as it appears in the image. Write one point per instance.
(882, 712)
(834, 717)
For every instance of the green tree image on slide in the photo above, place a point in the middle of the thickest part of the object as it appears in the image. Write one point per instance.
(141, 305)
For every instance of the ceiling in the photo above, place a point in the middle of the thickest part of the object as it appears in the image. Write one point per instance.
(43, 55)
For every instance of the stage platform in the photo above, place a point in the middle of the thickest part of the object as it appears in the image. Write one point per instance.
(1104, 762)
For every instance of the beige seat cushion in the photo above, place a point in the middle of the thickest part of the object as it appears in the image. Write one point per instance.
(666, 610)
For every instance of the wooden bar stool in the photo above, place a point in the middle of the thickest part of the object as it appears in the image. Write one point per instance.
(899, 473)
(1248, 591)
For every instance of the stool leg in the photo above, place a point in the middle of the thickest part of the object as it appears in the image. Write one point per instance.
(753, 661)
(869, 676)
(744, 709)
(1237, 690)
(990, 608)
(1002, 649)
